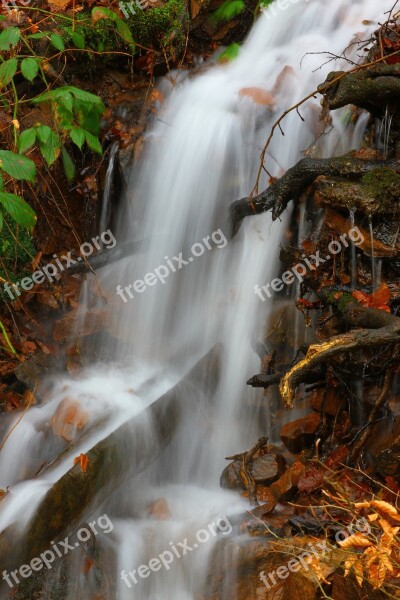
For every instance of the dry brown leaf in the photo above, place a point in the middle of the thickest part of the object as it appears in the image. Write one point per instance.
(386, 509)
(259, 96)
(57, 5)
(357, 540)
(373, 517)
(377, 574)
(362, 504)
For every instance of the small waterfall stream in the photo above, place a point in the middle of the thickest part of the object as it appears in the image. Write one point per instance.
(201, 154)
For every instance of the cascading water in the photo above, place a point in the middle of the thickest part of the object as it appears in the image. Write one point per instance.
(202, 154)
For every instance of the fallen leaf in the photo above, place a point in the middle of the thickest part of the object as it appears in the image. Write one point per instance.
(357, 540)
(378, 299)
(83, 461)
(259, 96)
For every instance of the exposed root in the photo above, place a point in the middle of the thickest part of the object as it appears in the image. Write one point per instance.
(337, 345)
(296, 180)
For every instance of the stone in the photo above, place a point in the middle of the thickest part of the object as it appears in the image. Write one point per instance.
(265, 470)
(301, 433)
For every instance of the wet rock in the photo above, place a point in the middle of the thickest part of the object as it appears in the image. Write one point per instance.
(301, 433)
(327, 401)
(37, 367)
(66, 329)
(248, 561)
(68, 419)
(265, 470)
(387, 462)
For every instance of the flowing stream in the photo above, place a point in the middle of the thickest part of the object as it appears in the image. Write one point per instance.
(201, 154)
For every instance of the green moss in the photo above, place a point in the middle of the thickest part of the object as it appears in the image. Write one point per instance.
(342, 302)
(165, 25)
(383, 183)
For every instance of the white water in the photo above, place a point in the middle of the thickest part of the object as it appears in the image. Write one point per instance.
(202, 154)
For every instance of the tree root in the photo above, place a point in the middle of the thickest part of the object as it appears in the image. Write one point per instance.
(373, 89)
(337, 345)
(361, 439)
(296, 180)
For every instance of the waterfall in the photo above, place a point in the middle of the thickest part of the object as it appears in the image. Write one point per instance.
(201, 154)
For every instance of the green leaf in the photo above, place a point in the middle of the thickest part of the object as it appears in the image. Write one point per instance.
(78, 39)
(125, 33)
(26, 140)
(66, 99)
(79, 94)
(30, 68)
(88, 117)
(228, 10)
(18, 209)
(9, 37)
(69, 167)
(7, 71)
(93, 142)
(230, 53)
(43, 133)
(18, 166)
(77, 135)
(64, 107)
(50, 149)
(1, 221)
(1, 182)
(3, 17)
(57, 41)
(38, 36)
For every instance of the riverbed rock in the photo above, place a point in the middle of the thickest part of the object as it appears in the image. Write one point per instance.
(301, 433)
(327, 401)
(265, 470)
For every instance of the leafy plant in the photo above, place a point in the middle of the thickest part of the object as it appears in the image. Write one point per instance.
(76, 114)
(228, 10)
(122, 28)
(21, 168)
(230, 53)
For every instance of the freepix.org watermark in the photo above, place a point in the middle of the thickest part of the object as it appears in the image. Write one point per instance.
(58, 550)
(216, 240)
(315, 551)
(177, 550)
(50, 271)
(312, 262)
(129, 7)
(273, 9)
(11, 5)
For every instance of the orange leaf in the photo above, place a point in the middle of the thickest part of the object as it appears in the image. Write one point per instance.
(355, 541)
(378, 299)
(386, 508)
(83, 461)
